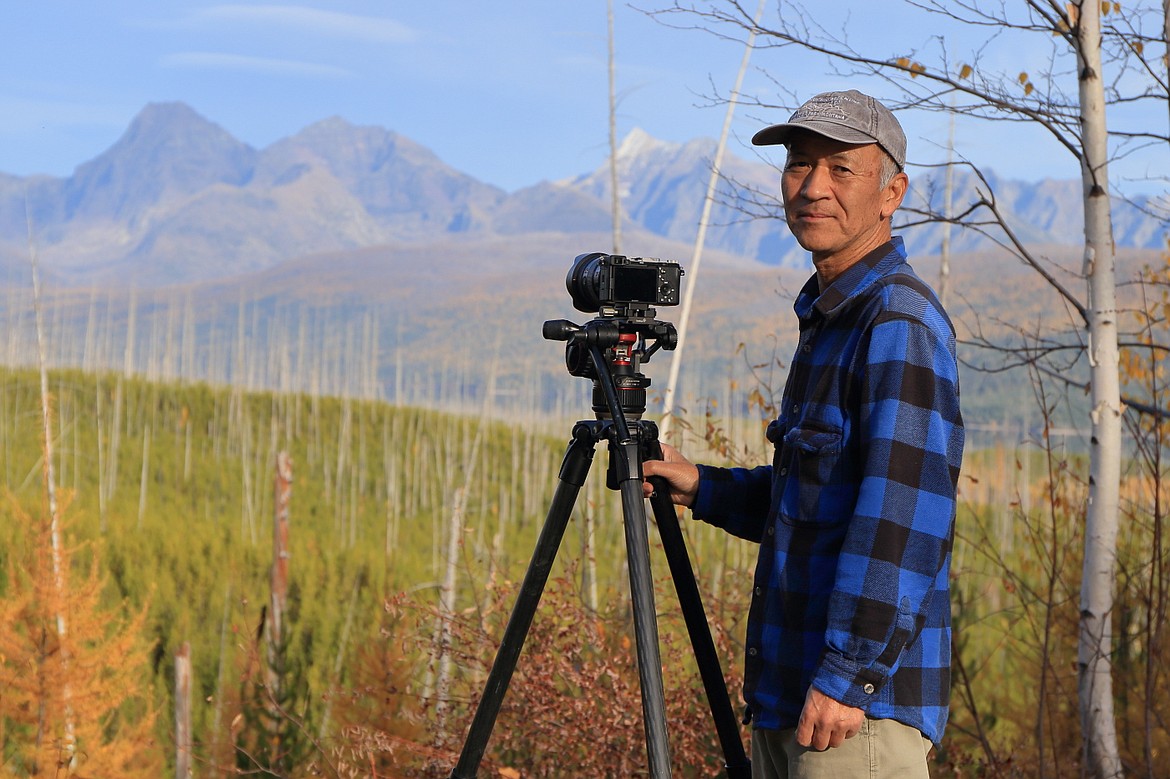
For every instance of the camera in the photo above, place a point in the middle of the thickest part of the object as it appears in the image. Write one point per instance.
(619, 286)
(610, 349)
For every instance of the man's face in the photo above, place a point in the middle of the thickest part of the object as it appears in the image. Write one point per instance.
(834, 202)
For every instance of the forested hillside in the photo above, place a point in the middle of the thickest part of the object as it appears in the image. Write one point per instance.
(168, 489)
(172, 493)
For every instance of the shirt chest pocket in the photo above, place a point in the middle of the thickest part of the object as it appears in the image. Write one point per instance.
(811, 464)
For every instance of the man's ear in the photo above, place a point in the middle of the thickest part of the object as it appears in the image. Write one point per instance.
(893, 194)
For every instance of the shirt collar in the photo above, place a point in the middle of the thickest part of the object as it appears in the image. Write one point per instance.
(852, 280)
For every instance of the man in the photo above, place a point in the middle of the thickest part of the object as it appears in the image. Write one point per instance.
(847, 669)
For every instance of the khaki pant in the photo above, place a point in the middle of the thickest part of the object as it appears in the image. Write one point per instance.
(882, 749)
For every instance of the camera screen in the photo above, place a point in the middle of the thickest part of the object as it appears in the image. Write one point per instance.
(636, 284)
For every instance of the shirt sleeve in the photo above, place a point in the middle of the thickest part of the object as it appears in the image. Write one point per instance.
(896, 551)
(735, 499)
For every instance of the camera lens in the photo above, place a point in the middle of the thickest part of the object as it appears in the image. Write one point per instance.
(584, 281)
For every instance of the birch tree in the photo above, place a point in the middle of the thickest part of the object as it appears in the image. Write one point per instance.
(1101, 521)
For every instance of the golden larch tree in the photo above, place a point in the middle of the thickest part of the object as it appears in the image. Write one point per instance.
(73, 703)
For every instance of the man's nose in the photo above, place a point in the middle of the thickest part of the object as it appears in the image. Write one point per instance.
(816, 183)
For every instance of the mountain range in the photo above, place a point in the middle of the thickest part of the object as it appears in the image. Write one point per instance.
(178, 200)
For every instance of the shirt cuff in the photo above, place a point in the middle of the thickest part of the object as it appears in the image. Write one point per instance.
(847, 682)
(706, 502)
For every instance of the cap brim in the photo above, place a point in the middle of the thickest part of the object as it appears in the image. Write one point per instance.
(780, 133)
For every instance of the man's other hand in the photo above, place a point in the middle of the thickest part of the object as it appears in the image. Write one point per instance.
(825, 722)
(679, 472)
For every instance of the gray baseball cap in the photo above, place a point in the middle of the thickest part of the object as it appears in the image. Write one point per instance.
(850, 117)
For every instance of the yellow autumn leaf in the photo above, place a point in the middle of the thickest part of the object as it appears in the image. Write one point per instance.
(1028, 88)
(1022, 78)
(965, 72)
(508, 773)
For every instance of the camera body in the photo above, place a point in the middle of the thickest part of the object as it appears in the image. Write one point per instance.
(615, 285)
(610, 349)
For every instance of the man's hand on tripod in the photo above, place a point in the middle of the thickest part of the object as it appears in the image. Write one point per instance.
(679, 472)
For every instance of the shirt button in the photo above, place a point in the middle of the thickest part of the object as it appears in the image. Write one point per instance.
(783, 471)
(795, 408)
(868, 689)
(806, 348)
(752, 651)
(758, 590)
(771, 530)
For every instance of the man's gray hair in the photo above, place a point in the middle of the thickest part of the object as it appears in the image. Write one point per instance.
(889, 169)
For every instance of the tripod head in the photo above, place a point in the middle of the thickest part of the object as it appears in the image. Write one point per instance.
(610, 351)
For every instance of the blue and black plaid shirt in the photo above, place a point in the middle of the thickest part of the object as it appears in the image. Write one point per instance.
(855, 515)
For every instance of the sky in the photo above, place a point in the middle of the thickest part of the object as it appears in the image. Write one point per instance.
(512, 92)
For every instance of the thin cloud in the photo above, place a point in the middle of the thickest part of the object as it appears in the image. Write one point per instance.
(202, 60)
(329, 23)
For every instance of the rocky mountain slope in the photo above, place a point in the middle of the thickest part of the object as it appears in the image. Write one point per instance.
(177, 199)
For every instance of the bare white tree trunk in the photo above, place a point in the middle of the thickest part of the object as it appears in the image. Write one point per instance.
(183, 712)
(700, 239)
(59, 573)
(1101, 520)
(144, 479)
(447, 598)
(101, 457)
(615, 192)
(278, 595)
(944, 266)
(448, 591)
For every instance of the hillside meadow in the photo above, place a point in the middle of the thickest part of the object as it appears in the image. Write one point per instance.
(170, 492)
(171, 489)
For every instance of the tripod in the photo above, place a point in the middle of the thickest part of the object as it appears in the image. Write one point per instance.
(629, 446)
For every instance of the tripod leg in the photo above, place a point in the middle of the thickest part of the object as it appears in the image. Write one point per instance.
(735, 760)
(645, 617)
(574, 469)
